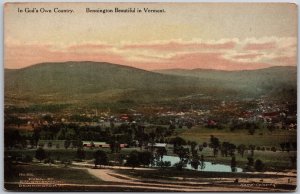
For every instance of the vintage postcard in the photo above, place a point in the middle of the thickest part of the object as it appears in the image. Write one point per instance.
(150, 97)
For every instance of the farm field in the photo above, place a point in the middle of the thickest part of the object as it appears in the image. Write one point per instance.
(262, 137)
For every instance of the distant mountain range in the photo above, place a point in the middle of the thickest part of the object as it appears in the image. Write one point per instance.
(99, 82)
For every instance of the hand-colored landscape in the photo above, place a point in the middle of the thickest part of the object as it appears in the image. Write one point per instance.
(201, 99)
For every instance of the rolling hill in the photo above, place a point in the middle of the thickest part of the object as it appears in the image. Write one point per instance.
(91, 81)
(268, 81)
(98, 82)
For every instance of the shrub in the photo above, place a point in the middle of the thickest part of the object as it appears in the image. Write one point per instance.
(251, 131)
(100, 158)
(179, 165)
(27, 159)
(250, 161)
(259, 166)
(40, 154)
(80, 154)
(133, 159)
(273, 149)
(163, 164)
(49, 161)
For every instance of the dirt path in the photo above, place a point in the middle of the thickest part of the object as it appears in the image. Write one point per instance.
(108, 175)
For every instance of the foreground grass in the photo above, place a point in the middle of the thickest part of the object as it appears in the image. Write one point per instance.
(58, 173)
(173, 174)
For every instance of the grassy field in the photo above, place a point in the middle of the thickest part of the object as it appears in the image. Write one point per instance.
(64, 154)
(262, 137)
(54, 174)
(171, 174)
(273, 161)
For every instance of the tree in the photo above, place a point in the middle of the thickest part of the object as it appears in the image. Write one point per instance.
(233, 164)
(282, 145)
(67, 143)
(271, 127)
(77, 143)
(80, 154)
(287, 146)
(145, 158)
(177, 142)
(250, 161)
(215, 144)
(49, 145)
(202, 162)
(195, 162)
(259, 166)
(40, 154)
(215, 151)
(273, 149)
(27, 159)
(100, 158)
(183, 154)
(115, 146)
(193, 146)
(293, 160)
(251, 131)
(179, 165)
(163, 164)
(252, 148)
(161, 151)
(133, 159)
(241, 149)
(121, 158)
(189, 125)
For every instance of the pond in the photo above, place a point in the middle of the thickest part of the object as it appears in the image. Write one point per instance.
(207, 167)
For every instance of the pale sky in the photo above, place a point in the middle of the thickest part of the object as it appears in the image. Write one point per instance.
(187, 35)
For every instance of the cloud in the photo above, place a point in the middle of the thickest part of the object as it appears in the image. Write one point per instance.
(23, 56)
(180, 45)
(226, 54)
(260, 46)
(89, 47)
(248, 56)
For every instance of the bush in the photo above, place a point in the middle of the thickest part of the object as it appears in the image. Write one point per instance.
(40, 154)
(66, 162)
(133, 159)
(49, 161)
(27, 159)
(145, 158)
(250, 161)
(80, 154)
(179, 165)
(251, 131)
(100, 158)
(163, 164)
(259, 166)
(273, 149)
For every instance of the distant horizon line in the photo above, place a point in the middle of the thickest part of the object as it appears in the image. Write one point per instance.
(151, 70)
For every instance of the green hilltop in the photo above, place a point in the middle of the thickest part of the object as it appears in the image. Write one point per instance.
(99, 82)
